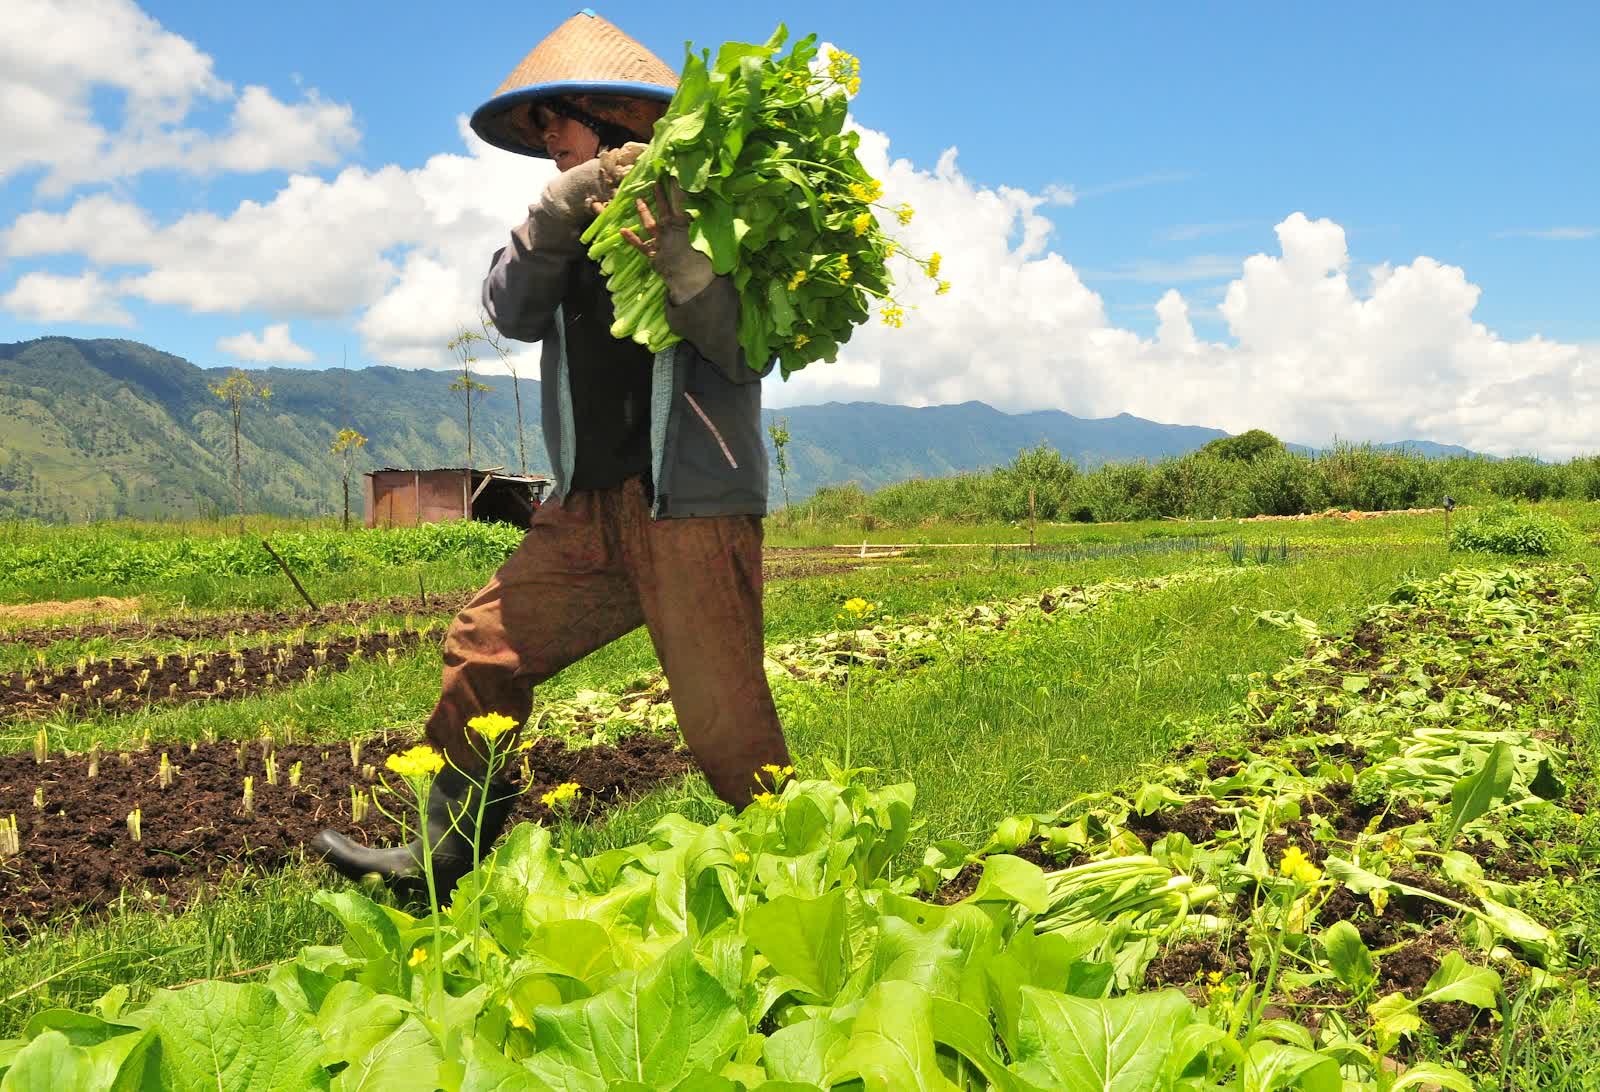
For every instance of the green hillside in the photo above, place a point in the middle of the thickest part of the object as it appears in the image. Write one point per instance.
(92, 429)
(97, 429)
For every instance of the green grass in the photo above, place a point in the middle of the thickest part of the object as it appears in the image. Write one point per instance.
(1015, 722)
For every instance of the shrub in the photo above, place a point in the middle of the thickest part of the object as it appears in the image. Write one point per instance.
(1507, 529)
(1041, 470)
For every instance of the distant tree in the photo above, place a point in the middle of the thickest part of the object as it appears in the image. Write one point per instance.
(468, 388)
(346, 444)
(237, 390)
(497, 343)
(1245, 447)
(779, 431)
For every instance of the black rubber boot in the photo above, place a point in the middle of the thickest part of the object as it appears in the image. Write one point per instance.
(452, 811)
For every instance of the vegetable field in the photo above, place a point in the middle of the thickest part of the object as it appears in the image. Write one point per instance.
(1312, 811)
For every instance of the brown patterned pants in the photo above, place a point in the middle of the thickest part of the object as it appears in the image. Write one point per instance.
(593, 568)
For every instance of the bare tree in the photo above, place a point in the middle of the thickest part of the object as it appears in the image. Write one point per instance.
(497, 343)
(346, 444)
(464, 385)
(237, 390)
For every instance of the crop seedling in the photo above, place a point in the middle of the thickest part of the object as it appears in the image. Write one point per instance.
(136, 824)
(248, 798)
(10, 840)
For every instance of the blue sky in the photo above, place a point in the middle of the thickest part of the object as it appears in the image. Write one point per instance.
(1462, 133)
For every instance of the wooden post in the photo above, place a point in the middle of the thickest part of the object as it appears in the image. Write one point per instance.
(1033, 520)
(290, 574)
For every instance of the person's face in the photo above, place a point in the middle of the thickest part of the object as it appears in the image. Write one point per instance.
(569, 142)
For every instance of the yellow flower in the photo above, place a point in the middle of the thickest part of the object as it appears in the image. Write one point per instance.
(797, 280)
(778, 771)
(419, 762)
(862, 223)
(768, 801)
(891, 248)
(419, 956)
(905, 213)
(857, 606)
(1297, 866)
(492, 725)
(944, 286)
(800, 341)
(741, 858)
(844, 267)
(893, 316)
(933, 265)
(562, 795)
(845, 69)
(866, 192)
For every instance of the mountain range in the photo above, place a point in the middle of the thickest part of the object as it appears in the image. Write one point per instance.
(105, 428)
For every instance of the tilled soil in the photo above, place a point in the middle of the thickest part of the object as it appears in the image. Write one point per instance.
(123, 683)
(217, 627)
(778, 564)
(77, 852)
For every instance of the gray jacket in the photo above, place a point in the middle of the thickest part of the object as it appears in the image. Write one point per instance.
(708, 457)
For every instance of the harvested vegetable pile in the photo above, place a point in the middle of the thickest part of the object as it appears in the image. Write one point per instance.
(777, 198)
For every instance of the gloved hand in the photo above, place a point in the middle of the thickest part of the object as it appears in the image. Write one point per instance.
(576, 196)
(686, 270)
(615, 163)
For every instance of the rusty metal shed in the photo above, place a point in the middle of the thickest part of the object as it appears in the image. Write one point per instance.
(399, 497)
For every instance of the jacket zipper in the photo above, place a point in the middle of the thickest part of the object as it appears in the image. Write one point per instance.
(723, 444)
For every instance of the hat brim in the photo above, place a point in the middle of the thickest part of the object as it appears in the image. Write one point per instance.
(496, 120)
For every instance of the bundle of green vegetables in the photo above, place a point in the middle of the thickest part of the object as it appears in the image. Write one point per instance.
(777, 200)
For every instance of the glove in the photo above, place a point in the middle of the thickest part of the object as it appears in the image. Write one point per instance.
(686, 271)
(615, 163)
(576, 196)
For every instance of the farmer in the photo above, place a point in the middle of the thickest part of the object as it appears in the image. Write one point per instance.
(660, 471)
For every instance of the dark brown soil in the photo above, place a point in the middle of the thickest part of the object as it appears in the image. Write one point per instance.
(1375, 932)
(1186, 961)
(1198, 820)
(123, 683)
(77, 853)
(242, 624)
(1505, 865)
(965, 882)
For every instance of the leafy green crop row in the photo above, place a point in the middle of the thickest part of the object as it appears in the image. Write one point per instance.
(782, 949)
(870, 640)
(116, 560)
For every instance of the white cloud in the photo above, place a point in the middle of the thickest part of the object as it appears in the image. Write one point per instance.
(55, 53)
(1185, 233)
(401, 252)
(46, 297)
(1560, 234)
(1307, 357)
(1197, 267)
(273, 345)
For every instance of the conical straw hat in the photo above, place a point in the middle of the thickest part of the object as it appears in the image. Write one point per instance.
(593, 65)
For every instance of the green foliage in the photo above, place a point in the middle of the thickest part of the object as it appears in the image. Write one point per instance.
(1039, 471)
(1245, 447)
(117, 560)
(1508, 529)
(778, 201)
